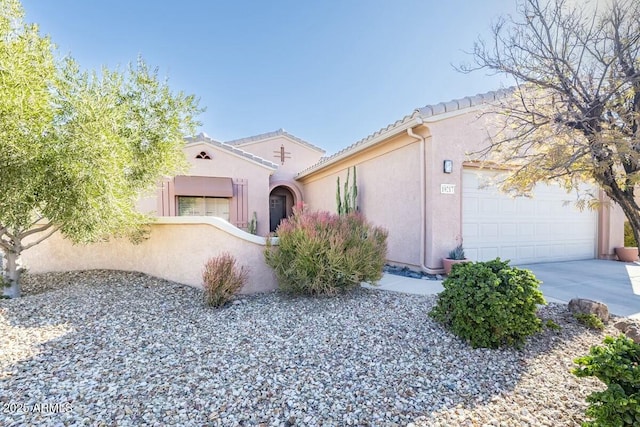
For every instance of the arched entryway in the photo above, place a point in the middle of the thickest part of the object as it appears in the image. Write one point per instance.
(281, 202)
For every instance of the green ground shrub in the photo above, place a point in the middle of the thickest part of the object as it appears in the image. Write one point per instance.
(589, 320)
(629, 238)
(322, 253)
(222, 278)
(617, 364)
(490, 304)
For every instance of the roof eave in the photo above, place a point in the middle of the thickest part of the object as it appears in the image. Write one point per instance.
(408, 122)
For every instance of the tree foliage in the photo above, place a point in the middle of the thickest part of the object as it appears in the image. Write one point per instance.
(78, 148)
(574, 113)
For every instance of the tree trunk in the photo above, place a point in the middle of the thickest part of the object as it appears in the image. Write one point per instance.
(630, 208)
(12, 272)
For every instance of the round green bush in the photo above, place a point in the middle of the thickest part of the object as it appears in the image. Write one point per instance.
(321, 253)
(490, 304)
(617, 364)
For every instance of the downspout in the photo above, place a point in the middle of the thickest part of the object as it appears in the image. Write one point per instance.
(423, 207)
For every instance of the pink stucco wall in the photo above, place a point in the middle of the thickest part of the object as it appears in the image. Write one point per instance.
(177, 250)
(299, 156)
(388, 195)
(389, 179)
(222, 164)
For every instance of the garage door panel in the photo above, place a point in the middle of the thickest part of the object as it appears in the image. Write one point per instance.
(509, 231)
(508, 207)
(489, 207)
(526, 230)
(489, 231)
(508, 252)
(489, 252)
(541, 228)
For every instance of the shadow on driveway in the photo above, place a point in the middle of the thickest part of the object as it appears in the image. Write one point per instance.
(614, 283)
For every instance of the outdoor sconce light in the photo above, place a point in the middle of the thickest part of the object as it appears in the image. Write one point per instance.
(448, 166)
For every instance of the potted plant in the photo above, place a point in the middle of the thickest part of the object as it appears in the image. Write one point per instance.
(456, 256)
(628, 253)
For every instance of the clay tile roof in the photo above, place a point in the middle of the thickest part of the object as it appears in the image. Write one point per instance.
(425, 112)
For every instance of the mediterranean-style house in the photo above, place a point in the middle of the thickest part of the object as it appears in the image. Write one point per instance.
(415, 178)
(238, 181)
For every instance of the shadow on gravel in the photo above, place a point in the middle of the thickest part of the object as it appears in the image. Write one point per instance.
(135, 349)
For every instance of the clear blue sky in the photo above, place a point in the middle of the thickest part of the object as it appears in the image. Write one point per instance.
(328, 71)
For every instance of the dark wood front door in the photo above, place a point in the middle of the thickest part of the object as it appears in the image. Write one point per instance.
(277, 211)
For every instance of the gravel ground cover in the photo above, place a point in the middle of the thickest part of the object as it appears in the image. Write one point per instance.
(117, 348)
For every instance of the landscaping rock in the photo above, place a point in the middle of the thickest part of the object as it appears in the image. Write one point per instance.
(633, 333)
(631, 330)
(622, 325)
(116, 348)
(587, 306)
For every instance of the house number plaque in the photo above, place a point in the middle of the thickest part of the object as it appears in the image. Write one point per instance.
(447, 189)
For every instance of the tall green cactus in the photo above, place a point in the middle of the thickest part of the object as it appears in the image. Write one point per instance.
(339, 207)
(348, 201)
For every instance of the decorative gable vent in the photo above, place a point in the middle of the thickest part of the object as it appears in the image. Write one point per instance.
(203, 155)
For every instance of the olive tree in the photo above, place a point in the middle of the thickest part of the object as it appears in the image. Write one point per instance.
(574, 112)
(78, 148)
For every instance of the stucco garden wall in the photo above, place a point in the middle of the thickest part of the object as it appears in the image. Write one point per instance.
(177, 249)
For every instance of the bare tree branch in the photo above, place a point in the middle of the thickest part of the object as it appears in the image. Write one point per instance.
(574, 114)
(39, 240)
(35, 230)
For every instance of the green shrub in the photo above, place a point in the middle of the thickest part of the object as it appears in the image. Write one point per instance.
(322, 253)
(617, 364)
(550, 324)
(490, 304)
(629, 238)
(222, 278)
(590, 320)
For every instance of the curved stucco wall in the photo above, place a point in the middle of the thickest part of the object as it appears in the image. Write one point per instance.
(176, 250)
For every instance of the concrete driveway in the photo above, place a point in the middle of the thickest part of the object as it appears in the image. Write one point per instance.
(614, 283)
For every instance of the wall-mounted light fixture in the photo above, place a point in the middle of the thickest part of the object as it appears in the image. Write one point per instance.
(448, 166)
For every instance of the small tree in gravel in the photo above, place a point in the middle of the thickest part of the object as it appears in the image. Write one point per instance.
(77, 148)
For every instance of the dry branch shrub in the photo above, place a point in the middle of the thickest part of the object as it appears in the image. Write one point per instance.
(222, 278)
(321, 253)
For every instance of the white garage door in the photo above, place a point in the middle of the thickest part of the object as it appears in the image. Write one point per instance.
(524, 230)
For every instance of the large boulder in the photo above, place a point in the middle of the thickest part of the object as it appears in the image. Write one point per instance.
(630, 329)
(587, 306)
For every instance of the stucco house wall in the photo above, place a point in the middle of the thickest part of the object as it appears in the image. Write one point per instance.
(453, 131)
(250, 176)
(399, 177)
(290, 153)
(388, 193)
